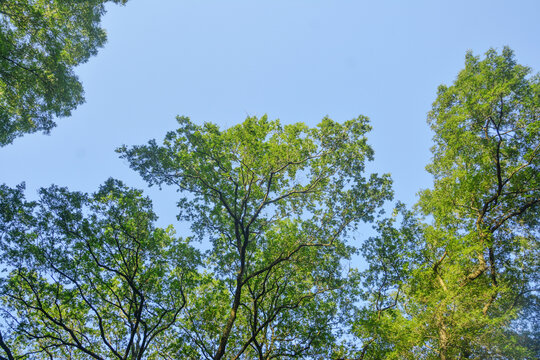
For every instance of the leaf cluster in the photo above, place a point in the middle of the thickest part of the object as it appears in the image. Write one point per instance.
(41, 42)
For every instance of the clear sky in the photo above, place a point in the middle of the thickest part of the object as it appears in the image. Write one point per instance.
(297, 60)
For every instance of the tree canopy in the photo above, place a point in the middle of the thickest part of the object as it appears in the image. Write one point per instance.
(463, 283)
(278, 208)
(90, 276)
(276, 202)
(41, 42)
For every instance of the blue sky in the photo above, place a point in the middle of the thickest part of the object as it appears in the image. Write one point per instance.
(297, 60)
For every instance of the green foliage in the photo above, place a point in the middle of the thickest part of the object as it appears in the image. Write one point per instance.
(276, 202)
(486, 145)
(461, 284)
(486, 196)
(89, 276)
(41, 42)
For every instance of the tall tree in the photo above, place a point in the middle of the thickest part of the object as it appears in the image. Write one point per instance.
(41, 42)
(276, 202)
(465, 284)
(89, 276)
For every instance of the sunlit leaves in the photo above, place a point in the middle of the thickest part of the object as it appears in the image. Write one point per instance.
(453, 286)
(276, 201)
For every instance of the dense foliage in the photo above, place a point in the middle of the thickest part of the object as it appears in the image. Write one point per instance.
(463, 283)
(90, 276)
(276, 203)
(41, 42)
